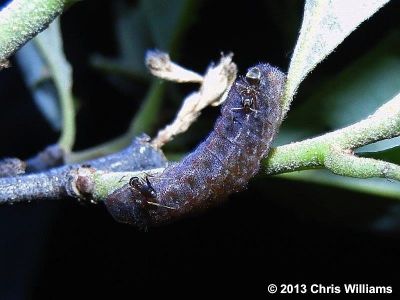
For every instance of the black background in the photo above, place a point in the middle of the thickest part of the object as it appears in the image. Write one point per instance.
(62, 249)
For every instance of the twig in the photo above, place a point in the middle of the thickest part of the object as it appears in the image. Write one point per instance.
(334, 150)
(76, 180)
(51, 156)
(21, 20)
(44, 186)
(11, 167)
(214, 85)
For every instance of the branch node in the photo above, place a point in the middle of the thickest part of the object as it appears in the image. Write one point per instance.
(80, 183)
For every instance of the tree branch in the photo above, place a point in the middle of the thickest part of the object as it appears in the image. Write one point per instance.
(43, 186)
(349, 165)
(96, 177)
(334, 150)
(23, 19)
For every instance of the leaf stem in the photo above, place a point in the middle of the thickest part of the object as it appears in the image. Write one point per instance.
(50, 46)
(21, 20)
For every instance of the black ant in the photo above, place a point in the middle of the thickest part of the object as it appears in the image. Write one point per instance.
(145, 188)
(249, 92)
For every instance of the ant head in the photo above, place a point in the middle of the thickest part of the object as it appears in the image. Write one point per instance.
(134, 181)
(143, 186)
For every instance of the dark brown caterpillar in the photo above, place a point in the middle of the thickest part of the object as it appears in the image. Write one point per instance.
(220, 165)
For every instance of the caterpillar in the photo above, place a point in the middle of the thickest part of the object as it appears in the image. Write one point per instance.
(222, 164)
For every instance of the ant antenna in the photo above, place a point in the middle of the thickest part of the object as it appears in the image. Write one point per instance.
(160, 205)
(155, 176)
(122, 178)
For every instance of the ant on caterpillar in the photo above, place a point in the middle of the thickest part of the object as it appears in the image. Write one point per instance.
(249, 91)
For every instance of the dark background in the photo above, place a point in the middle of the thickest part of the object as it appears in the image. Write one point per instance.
(277, 231)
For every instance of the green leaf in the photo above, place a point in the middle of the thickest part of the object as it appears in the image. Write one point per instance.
(391, 155)
(36, 76)
(366, 84)
(325, 25)
(356, 92)
(49, 43)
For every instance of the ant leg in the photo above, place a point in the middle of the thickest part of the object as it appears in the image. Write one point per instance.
(253, 110)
